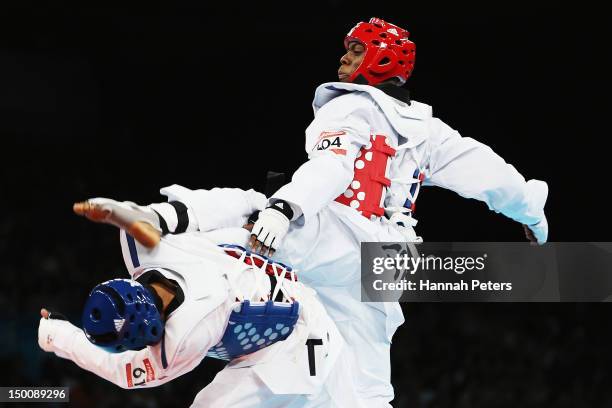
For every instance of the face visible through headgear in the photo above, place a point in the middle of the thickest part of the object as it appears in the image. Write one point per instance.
(377, 52)
(351, 60)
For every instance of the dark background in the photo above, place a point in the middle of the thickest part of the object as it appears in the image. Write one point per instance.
(119, 101)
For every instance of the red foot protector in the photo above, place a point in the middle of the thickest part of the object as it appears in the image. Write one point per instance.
(367, 190)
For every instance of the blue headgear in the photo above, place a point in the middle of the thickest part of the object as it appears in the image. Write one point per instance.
(120, 315)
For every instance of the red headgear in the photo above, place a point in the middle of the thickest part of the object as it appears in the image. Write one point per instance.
(388, 52)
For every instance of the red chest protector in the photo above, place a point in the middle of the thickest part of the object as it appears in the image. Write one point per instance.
(366, 192)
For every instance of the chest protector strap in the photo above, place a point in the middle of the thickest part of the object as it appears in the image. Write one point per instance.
(255, 325)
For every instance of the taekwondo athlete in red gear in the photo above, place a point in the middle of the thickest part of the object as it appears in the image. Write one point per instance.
(369, 102)
(370, 149)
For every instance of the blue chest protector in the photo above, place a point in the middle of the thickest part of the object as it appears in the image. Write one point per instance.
(255, 325)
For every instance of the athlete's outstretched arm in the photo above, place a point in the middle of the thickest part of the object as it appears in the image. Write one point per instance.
(129, 369)
(474, 170)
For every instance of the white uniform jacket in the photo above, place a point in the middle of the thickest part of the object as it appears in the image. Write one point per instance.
(423, 142)
(208, 278)
(190, 330)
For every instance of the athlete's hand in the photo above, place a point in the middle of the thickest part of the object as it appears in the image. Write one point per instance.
(270, 228)
(46, 328)
(537, 234)
(529, 234)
